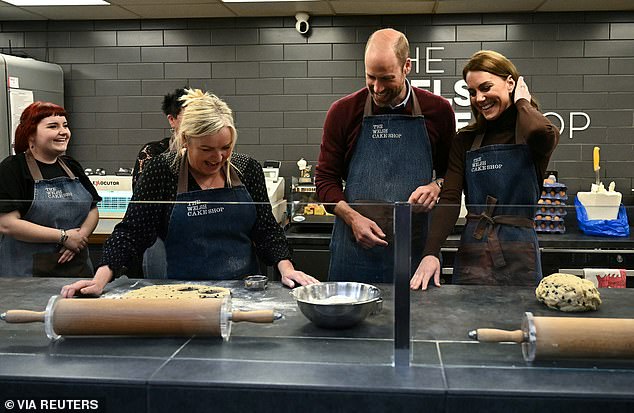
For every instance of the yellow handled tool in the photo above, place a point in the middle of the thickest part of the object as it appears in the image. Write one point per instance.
(595, 159)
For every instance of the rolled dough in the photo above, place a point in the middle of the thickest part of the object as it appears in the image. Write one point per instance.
(178, 291)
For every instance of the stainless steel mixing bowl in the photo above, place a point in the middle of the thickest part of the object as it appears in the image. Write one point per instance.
(318, 302)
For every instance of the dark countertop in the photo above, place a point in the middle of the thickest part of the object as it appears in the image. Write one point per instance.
(573, 238)
(292, 365)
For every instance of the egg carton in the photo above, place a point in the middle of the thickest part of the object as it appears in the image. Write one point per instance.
(552, 227)
(552, 201)
(552, 210)
(554, 195)
(548, 218)
(557, 185)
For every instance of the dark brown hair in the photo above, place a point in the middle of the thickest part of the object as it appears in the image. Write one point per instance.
(494, 63)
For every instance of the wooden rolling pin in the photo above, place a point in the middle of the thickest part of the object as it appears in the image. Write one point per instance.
(138, 316)
(567, 337)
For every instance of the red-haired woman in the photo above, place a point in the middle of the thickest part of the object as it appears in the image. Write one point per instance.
(48, 207)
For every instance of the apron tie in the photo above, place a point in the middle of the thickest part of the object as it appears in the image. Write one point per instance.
(489, 224)
(485, 219)
(486, 224)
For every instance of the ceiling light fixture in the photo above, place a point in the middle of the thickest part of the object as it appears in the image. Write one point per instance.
(262, 1)
(57, 2)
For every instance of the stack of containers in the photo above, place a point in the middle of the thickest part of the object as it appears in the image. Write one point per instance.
(551, 210)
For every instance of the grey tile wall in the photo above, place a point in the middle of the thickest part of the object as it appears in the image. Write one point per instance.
(280, 84)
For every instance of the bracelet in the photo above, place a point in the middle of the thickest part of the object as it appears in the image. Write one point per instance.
(62, 237)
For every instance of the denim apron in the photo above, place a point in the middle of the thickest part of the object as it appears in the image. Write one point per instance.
(62, 203)
(154, 259)
(391, 159)
(499, 243)
(209, 234)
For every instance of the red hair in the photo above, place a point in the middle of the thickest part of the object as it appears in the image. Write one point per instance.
(29, 120)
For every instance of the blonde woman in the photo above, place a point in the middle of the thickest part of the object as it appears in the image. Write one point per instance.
(221, 218)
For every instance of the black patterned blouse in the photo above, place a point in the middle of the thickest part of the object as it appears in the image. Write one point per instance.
(145, 219)
(147, 152)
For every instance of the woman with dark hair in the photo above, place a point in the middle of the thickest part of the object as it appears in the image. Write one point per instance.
(48, 207)
(153, 260)
(499, 161)
(172, 108)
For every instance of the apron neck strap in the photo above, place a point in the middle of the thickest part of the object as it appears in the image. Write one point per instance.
(235, 178)
(477, 142)
(183, 175)
(416, 111)
(367, 109)
(35, 171)
(518, 141)
(416, 106)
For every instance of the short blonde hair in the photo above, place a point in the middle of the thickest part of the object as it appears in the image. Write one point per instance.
(203, 114)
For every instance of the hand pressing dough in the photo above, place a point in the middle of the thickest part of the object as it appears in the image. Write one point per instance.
(568, 293)
(178, 291)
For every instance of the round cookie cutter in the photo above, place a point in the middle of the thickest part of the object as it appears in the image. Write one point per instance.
(256, 282)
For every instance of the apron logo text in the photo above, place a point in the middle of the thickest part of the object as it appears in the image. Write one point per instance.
(195, 209)
(478, 165)
(56, 193)
(380, 132)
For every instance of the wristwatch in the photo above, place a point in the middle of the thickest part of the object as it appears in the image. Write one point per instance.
(439, 182)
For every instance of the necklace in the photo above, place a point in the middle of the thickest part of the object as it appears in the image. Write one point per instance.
(213, 183)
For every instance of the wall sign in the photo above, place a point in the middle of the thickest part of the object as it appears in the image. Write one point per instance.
(460, 102)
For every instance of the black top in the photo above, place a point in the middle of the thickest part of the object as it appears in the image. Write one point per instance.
(144, 221)
(147, 152)
(16, 182)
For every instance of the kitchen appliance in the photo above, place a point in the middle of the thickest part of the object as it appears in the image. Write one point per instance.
(305, 207)
(338, 304)
(567, 337)
(138, 317)
(26, 81)
(115, 191)
(275, 189)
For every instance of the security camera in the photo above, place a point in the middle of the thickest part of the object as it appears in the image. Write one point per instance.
(302, 25)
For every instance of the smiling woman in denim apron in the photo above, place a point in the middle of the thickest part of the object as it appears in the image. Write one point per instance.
(221, 218)
(384, 141)
(47, 204)
(499, 161)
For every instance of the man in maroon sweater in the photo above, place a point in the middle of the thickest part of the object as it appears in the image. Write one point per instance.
(385, 141)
